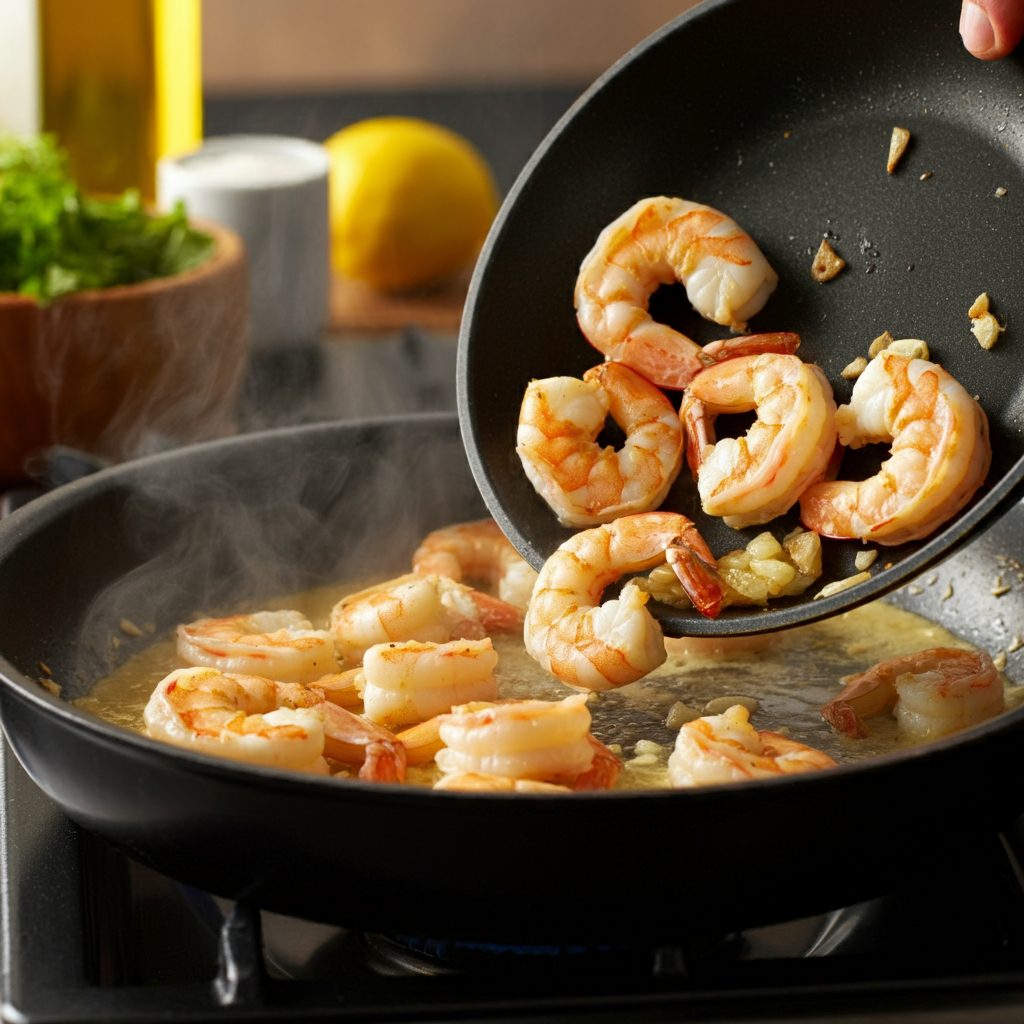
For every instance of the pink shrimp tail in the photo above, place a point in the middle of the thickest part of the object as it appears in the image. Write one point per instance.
(603, 771)
(778, 342)
(497, 615)
(696, 569)
(385, 762)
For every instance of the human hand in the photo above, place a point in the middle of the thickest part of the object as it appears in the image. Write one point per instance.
(990, 29)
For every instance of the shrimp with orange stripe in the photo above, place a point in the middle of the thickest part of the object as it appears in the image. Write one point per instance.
(662, 240)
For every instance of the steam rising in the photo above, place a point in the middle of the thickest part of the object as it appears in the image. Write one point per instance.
(232, 525)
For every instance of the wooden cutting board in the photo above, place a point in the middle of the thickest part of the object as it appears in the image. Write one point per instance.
(356, 307)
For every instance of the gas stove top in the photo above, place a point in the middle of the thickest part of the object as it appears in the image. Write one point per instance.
(91, 935)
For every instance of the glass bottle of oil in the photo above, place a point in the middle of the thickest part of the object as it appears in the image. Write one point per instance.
(120, 86)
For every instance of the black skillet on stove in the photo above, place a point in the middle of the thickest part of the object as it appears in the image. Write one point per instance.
(245, 520)
(779, 113)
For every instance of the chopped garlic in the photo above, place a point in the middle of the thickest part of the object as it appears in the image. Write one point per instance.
(987, 330)
(897, 147)
(840, 585)
(863, 559)
(720, 705)
(979, 307)
(854, 369)
(826, 263)
(999, 661)
(679, 714)
(882, 342)
(129, 627)
(913, 348)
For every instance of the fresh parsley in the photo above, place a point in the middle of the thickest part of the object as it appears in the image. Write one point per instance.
(55, 240)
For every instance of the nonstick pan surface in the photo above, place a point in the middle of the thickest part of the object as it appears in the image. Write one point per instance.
(245, 520)
(778, 112)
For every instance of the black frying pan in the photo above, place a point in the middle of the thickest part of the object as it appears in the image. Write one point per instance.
(778, 112)
(162, 538)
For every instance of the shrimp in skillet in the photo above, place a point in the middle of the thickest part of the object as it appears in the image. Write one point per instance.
(432, 609)
(584, 483)
(659, 241)
(280, 725)
(280, 645)
(752, 479)
(727, 748)
(591, 646)
(477, 551)
(939, 457)
(545, 741)
(932, 693)
(410, 682)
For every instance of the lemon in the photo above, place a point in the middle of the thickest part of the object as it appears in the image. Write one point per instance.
(411, 201)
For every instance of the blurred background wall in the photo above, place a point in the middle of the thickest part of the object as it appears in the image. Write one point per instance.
(263, 46)
(499, 72)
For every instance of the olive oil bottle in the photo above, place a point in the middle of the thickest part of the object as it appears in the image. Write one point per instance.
(117, 81)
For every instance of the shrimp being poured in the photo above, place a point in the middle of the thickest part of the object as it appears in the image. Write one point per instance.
(727, 748)
(659, 241)
(544, 741)
(932, 693)
(280, 725)
(591, 646)
(584, 483)
(752, 479)
(431, 608)
(940, 454)
(477, 551)
(280, 645)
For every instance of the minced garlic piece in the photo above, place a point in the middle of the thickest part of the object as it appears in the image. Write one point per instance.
(764, 569)
(50, 685)
(840, 585)
(882, 342)
(948, 592)
(129, 627)
(679, 714)
(912, 348)
(1015, 644)
(863, 559)
(985, 327)
(979, 307)
(854, 369)
(826, 263)
(999, 661)
(897, 147)
(987, 330)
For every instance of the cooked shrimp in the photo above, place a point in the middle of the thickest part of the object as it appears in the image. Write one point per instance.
(939, 457)
(659, 241)
(478, 551)
(752, 479)
(432, 609)
(283, 725)
(279, 645)
(932, 693)
(593, 646)
(410, 682)
(584, 483)
(235, 716)
(548, 741)
(727, 748)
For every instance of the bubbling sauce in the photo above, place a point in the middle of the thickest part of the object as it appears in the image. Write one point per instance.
(787, 677)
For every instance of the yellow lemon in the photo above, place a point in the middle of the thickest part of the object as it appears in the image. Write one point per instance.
(410, 201)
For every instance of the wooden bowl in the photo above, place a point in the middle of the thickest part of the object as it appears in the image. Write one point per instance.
(121, 370)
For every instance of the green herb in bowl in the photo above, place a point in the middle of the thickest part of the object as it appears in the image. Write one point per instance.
(55, 240)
